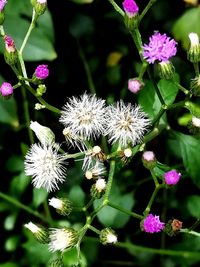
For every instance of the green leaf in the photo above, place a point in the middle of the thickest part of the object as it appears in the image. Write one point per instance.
(187, 23)
(9, 222)
(70, 258)
(77, 195)
(18, 184)
(12, 243)
(8, 111)
(193, 206)
(149, 100)
(15, 164)
(39, 196)
(189, 151)
(109, 216)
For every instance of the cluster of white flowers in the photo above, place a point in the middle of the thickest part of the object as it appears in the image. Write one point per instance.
(85, 118)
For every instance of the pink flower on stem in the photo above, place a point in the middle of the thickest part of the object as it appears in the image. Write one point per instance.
(152, 224)
(2, 4)
(42, 72)
(130, 7)
(9, 43)
(6, 89)
(135, 85)
(172, 177)
(160, 48)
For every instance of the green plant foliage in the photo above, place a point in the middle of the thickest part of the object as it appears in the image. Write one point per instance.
(8, 111)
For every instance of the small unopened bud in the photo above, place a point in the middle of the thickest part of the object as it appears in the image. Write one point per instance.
(98, 153)
(43, 133)
(6, 90)
(125, 155)
(194, 50)
(62, 205)
(39, 106)
(40, 233)
(41, 73)
(39, 6)
(149, 160)
(130, 7)
(108, 236)
(135, 85)
(61, 239)
(173, 227)
(41, 90)
(98, 189)
(95, 172)
(195, 86)
(10, 53)
(166, 70)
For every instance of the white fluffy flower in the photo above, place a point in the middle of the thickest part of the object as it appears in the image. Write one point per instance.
(126, 124)
(84, 116)
(60, 239)
(46, 166)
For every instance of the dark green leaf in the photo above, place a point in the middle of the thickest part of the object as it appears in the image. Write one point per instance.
(193, 205)
(8, 111)
(39, 196)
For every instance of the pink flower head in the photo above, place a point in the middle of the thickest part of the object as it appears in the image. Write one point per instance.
(2, 4)
(9, 43)
(6, 89)
(135, 85)
(130, 7)
(160, 48)
(152, 224)
(149, 156)
(42, 72)
(172, 177)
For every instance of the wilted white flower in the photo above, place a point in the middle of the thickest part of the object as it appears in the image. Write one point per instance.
(126, 124)
(100, 185)
(196, 122)
(92, 157)
(40, 233)
(84, 116)
(43, 133)
(60, 239)
(62, 205)
(96, 171)
(108, 236)
(46, 166)
(74, 139)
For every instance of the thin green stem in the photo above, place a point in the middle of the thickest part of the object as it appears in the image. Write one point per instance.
(194, 225)
(128, 212)
(183, 89)
(156, 89)
(154, 178)
(31, 27)
(22, 206)
(196, 69)
(117, 8)
(159, 115)
(146, 9)
(138, 42)
(47, 211)
(94, 229)
(143, 69)
(189, 232)
(87, 71)
(75, 155)
(110, 180)
(2, 32)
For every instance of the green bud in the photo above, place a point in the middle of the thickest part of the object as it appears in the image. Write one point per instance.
(41, 90)
(131, 22)
(194, 50)
(193, 108)
(2, 18)
(62, 205)
(98, 189)
(172, 227)
(108, 236)
(166, 70)
(39, 232)
(149, 160)
(40, 6)
(195, 86)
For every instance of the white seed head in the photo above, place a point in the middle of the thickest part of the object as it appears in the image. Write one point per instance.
(194, 39)
(84, 116)
(73, 139)
(196, 121)
(100, 185)
(46, 166)
(32, 227)
(56, 203)
(111, 238)
(43, 133)
(126, 124)
(96, 171)
(60, 239)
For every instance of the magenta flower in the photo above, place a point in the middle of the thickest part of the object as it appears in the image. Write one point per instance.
(6, 89)
(172, 177)
(2, 4)
(160, 48)
(152, 224)
(130, 7)
(9, 44)
(42, 72)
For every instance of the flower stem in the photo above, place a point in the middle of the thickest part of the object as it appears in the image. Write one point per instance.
(196, 69)
(146, 9)
(148, 208)
(110, 180)
(94, 229)
(22, 206)
(188, 231)
(128, 212)
(117, 8)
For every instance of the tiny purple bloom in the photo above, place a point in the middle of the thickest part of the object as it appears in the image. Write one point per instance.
(130, 7)
(152, 224)
(2, 4)
(160, 48)
(6, 89)
(42, 72)
(135, 85)
(9, 43)
(172, 177)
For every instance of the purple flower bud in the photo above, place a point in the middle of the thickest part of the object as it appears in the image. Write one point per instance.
(152, 224)
(6, 89)
(172, 177)
(2, 4)
(9, 43)
(160, 48)
(130, 7)
(42, 72)
(135, 85)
